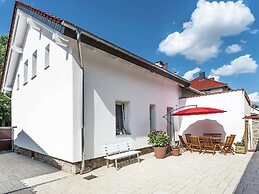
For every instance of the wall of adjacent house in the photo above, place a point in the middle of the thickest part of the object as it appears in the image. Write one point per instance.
(230, 122)
(109, 79)
(42, 109)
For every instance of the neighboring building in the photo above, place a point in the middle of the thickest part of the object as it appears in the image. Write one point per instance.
(73, 92)
(208, 85)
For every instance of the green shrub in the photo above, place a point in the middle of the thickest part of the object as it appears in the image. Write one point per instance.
(158, 139)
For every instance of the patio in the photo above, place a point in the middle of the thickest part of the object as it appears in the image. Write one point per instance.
(189, 173)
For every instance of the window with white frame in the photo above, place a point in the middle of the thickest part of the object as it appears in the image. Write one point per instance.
(18, 82)
(46, 65)
(25, 73)
(122, 118)
(34, 65)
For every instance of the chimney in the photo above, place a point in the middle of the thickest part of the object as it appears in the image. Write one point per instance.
(202, 75)
(162, 65)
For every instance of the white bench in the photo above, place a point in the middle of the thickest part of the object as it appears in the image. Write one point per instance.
(118, 151)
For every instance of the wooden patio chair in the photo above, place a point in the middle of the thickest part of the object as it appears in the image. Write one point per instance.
(207, 144)
(188, 138)
(183, 144)
(227, 147)
(195, 144)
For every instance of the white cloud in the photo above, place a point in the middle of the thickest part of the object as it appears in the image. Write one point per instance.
(234, 48)
(242, 64)
(216, 77)
(254, 97)
(254, 31)
(189, 74)
(243, 41)
(210, 21)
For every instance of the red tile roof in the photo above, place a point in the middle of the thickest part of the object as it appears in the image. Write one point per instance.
(206, 84)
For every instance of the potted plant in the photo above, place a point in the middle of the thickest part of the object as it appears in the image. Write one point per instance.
(160, 141)
(240, 147)
(175, 148)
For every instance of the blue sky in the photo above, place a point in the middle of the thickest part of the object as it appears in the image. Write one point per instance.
(141, 26)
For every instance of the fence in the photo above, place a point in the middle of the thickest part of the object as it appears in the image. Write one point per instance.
(6, 138)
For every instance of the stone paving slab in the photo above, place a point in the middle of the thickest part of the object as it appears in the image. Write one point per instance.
(189, 173)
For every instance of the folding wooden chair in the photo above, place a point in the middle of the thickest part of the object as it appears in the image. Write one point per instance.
(183, 144)
(188, 138)
(195, 144)
(208, 144)
(228, 145)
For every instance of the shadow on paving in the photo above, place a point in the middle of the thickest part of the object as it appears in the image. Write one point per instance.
(249, 182)
(15, 168)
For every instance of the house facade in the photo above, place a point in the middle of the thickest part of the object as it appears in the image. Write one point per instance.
(73, 92)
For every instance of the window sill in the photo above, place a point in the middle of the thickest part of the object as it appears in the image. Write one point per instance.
(46, 67)
(33, 77)
(123, 135)
(25, 83)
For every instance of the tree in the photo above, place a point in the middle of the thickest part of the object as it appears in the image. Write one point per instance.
(5, 102)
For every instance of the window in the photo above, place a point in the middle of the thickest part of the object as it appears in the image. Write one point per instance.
(25, 73)
(34, 65)
(18, 82)
(122, 109)
(152, 117)
(46, 57)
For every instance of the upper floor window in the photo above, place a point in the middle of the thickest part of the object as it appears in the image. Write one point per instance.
(34, 65)
(46, 65)
(25, 73)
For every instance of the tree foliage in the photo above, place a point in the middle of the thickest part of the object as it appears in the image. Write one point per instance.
(5, 102)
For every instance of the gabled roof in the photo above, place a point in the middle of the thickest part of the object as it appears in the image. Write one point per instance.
(70, 30)
(206, 84)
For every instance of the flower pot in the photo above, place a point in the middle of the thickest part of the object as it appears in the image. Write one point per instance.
(160, 152)
(240, 149)
(175, 151)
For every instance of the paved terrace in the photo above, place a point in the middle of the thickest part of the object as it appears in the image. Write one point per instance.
(189, 173)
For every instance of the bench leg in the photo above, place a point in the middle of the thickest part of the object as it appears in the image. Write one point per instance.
(116, 164)
(107, 162)
(138, 158)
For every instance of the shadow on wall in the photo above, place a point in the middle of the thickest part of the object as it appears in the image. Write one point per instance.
(25, 141)
(205, 126)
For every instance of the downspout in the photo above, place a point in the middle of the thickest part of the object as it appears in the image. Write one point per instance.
(81, 65)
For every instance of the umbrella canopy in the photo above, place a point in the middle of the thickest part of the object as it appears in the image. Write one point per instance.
(198, 111)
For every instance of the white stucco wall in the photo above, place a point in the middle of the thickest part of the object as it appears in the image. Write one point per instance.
(230, 122)
(109, 80)
(43, 108)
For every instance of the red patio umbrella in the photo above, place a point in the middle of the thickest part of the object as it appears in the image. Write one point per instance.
(197, 111)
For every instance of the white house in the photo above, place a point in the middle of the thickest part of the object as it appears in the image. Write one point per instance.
(73, 92)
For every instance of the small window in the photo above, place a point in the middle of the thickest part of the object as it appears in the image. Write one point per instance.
(46, 57)
(18, 82)
(152, 117)
(122, 109)
(25, 73)
(34, 65)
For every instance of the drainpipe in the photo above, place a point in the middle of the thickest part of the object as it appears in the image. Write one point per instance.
(81, 65)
